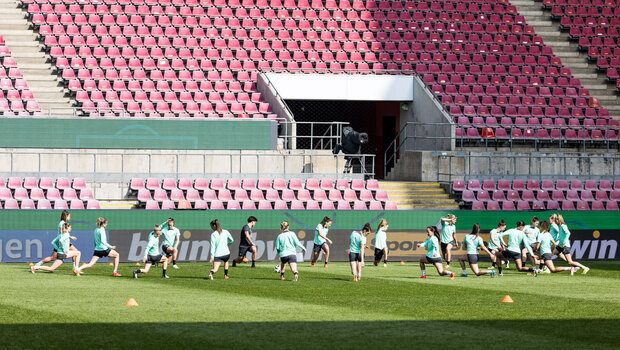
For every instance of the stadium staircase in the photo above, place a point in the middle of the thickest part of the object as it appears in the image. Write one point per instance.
(568, 52)
(31, 60)
(418, 195)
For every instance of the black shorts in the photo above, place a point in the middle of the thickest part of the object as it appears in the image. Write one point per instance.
(444, 246)
(102, 253)
(509, 254)
(434, 260)
(378, 254)
(153, 259)
(355, 257)
(223, 258)
(546, 256)
(70, 244)
(563, 250)
(533, 246)
(472, 258)
(60, 256)
(288, 259)
(243, 250)
(164, 249)
(317, 248)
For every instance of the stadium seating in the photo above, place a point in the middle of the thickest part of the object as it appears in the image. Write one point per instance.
(46, 193)
(262, 194)
(201, 58)
(15, 97)
(535, 195)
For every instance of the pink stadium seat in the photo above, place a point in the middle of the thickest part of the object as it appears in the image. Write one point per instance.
(201, 184)
(233, 184)
(30, 183)
(264, 184)
(343, 205)
(11, 204)
(334, 195)
(93, 204)
(224, 195)
(86, 194)
(247, 205)
(493, 205)
(313, 184)
(169, 184)
(79, 183)
(297, 205)
(14, 182)
(327, 205)
(151, 184)
(508, 205)
(256, 194)
(313, 205)
(568, 205)
(152, 205)
(61, 204)
(389, 205)
(135, 184)
(21, 194)
(63, 183)
(76, 204)
(176, 195)
(280, 205)
(326, 184)
(200, 204)
(216, 184)
(44, 204)
(159, 195)
(217, 205)
(233, 205)
(458, 185)
(69, 194)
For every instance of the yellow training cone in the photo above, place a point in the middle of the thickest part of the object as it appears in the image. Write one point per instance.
(507, 299)
(131, 302)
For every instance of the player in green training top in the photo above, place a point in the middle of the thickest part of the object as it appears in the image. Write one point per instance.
(496, 244)
(172, 236)
(321, 240)
(381, 248)
(65, 216)
(563, 246)
(102, 248)
(220, 240)
(531, 236)
(433, 257)
(543, 244)
(286, 245)
(448, 229)
(61, 247)
(516, 237)
(356, 251)
(152, 254)
(473, 242)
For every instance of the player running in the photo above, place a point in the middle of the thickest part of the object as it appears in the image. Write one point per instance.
(516, 237)
(172, 236)
(381, 249)
(544, 245)
(220, 240)
(356, 251)
(286, 245)
(448, 229)
(245, 242)
(496, 244)
(531, 236)
(61, 247)
(321, 240)
(65, 216)
(432, 256)
(152, 254)
(563, 245)
(472, 242)
(102, 248)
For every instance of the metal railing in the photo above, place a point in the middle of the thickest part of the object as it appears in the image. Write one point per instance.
(537, 166)
(328, 70)
(94, 166)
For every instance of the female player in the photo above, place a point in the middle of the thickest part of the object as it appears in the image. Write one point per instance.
(246, 244)
(152, 254)
(433, 257)
(554, 230)
(102, 248)
(381, 249)
(320, 241)
(472, 242)
(516, 237)
(447, 237)
(172, 236)
(220, 240)
(356, 251)
(496, 244)
(544, 246)
(286, 245)
(61, 247)
(563, 245)
(65, 216)
(531, 236)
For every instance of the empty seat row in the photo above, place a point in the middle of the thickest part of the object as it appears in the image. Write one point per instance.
(45, 204)
(540, 205)
(279, 184)
(267, 205)
(533, 184)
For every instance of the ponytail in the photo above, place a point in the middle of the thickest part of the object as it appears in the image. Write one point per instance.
(64, 215)
(382, 223)
(215, 224)
(325, 220)
(101, 222)
(284, 226)
(475, 230)
(366, 227)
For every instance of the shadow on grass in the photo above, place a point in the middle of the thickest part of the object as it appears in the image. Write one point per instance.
(579, 333)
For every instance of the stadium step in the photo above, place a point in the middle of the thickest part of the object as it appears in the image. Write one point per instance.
(417, 195)
(569, 53)
(33, 63)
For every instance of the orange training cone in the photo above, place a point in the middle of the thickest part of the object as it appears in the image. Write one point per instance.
(402, 262)
(137, 264)
(507, 299)
(31, 264)
(131, 302)
(110, 264)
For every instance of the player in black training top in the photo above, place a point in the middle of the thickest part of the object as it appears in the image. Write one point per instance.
(245, 242)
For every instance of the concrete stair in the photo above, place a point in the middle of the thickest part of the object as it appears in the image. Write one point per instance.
(32, 61)
(571, 57)
(418, 195)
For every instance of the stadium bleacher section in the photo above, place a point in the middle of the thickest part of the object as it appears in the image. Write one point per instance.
(34, 193)
(15, 97)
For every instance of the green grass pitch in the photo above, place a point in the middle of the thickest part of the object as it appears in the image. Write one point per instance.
(390, 308)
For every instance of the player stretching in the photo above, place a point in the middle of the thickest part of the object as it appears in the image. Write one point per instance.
(563, 246)
(245, 242)
(61, 247)
(220, 240)
(152, 254)
(544, 245)
(432, 256)
(381, 249)
(531, 235)
(102, 248)
(516, 237)
(286, 245)
(447, 237)
(496, 244)
(356, 251)
(320, 241)
(472, 242)
(172, 236)
(65, 216)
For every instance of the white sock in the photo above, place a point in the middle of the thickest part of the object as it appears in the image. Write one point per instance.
(114, 270)
(465, 271)
(39, 263)
(423, 272)
(359, 275)
(448, 272)
(566, 268)
(36, 267)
